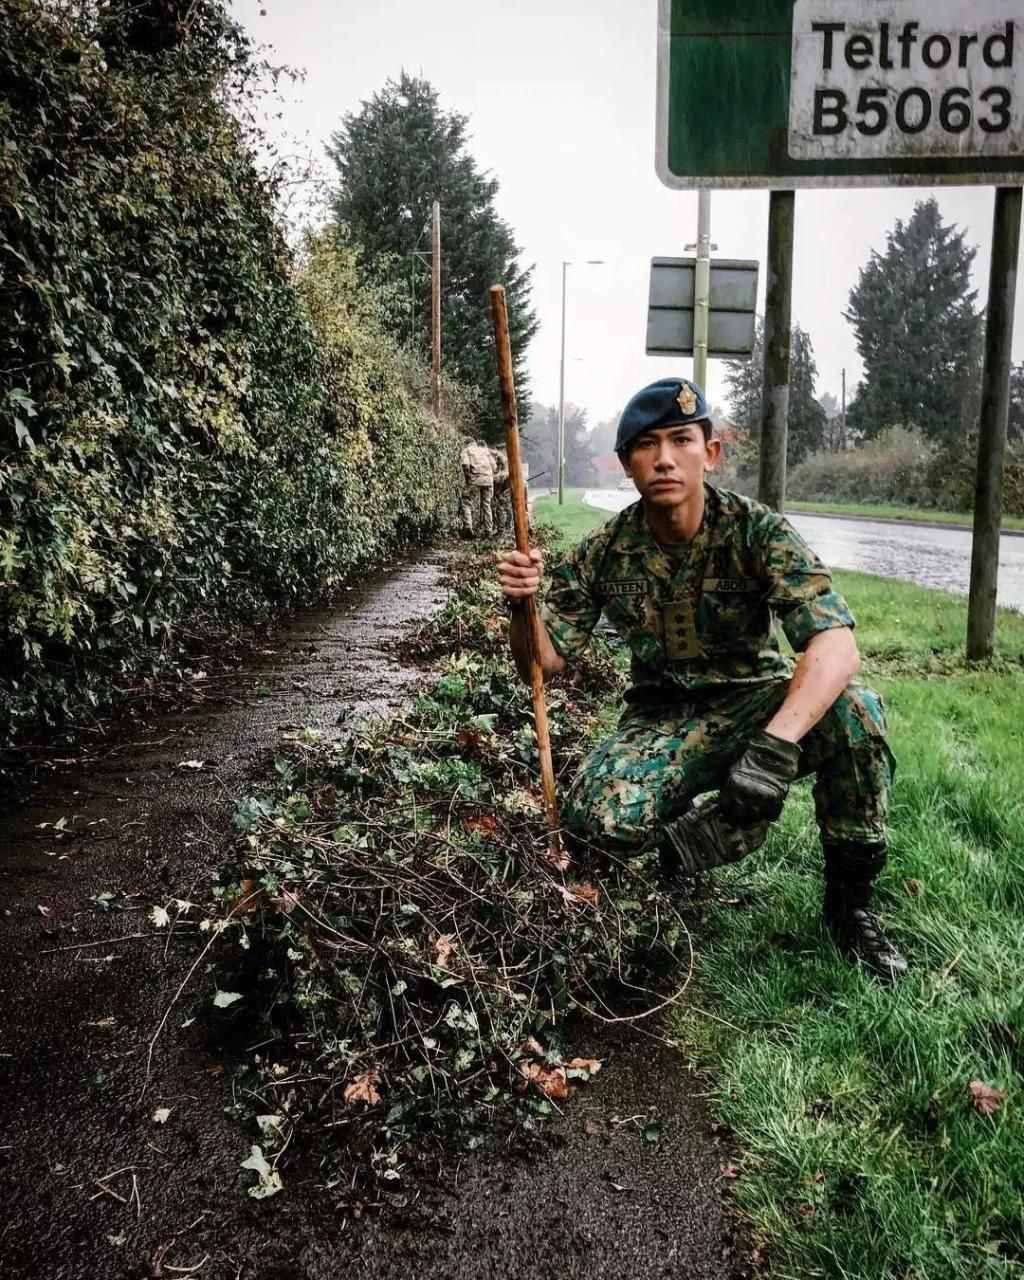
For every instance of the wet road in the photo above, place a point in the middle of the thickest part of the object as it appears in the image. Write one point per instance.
(930, 555)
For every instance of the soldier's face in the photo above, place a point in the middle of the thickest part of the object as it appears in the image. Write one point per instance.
(668, 465)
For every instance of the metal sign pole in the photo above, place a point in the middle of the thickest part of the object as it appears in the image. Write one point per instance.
(775, 398)
(702, 289)
(995, 403)
(560, 460)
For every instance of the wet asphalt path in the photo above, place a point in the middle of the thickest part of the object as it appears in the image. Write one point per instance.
(930, 555)
(94, 1189)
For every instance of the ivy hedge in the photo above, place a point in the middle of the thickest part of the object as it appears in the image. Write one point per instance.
(194, 425)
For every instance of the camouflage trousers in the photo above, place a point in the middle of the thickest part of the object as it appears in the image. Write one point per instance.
(659, 760)
(501, 507)
(477, 499)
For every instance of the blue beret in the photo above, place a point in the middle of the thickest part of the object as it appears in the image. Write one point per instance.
(669, 402)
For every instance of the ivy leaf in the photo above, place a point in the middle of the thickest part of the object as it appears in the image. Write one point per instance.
(269, 1183)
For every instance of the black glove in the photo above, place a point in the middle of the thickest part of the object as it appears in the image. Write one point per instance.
(758, 782)
(701, 839)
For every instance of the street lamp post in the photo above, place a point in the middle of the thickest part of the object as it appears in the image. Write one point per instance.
(560, 461)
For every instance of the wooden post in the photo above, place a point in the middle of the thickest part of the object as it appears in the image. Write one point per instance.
(995, 403)
(778, 305)
(435, 309)
(517, 491)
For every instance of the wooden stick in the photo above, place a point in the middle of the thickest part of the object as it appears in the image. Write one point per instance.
(517, 491)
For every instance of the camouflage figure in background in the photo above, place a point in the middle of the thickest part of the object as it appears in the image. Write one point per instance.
(501, 504)
(478, 490)
(694, 579)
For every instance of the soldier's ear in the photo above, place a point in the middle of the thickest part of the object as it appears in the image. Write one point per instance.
(712, 453)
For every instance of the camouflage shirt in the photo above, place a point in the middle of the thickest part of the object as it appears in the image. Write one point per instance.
(701, 616)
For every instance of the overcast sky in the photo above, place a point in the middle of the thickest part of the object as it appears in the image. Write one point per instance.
(561, 96)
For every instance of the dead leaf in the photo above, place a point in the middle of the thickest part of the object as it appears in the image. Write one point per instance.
(560, 863)
(443, 948)
(533, 1046)
(914, 887)
(729, 1170)
(484, 824)
(586, 893)
(161, 1114)
(364, 1088)
(286, 901)
(550, 1081)
(592, 1129)
(251, 897)
(591, 1065)
(985, 1099)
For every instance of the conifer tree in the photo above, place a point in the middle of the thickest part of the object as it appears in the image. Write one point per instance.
(918, 332)
(395, 156)
(744, 379)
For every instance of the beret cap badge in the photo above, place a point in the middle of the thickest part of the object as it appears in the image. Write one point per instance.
(686, 400)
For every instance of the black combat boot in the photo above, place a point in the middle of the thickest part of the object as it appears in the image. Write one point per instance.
(851, 868)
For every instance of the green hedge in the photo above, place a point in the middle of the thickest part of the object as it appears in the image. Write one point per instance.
(902, 468)
(191, 428)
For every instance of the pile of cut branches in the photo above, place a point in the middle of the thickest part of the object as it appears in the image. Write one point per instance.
(393, 914)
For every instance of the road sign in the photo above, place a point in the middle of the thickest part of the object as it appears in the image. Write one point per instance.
(730, 315)
(816, 93)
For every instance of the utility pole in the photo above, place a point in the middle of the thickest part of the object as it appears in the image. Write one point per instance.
(995, 403)
(560, 460)
(778, 305)
(702, 290)
(435, 310)
(842, 419)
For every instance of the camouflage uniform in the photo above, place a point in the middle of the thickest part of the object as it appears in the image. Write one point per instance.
(501, 503)
(707, 670)
(478, 490)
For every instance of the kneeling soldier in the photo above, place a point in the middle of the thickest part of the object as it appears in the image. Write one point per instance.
(693, 578)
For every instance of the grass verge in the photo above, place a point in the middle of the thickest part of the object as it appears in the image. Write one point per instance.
(884, 1131)
(916, 515)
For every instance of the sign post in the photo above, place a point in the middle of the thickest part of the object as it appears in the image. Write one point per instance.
(786, 94)
(771, 482)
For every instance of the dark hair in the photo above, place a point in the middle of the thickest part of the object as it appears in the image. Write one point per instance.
(705, 425)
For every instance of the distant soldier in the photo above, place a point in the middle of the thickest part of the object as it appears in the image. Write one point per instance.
(502, 503)
(699, 581)
(478, 489)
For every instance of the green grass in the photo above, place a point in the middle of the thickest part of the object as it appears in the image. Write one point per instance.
(572, 519)
(916, 514)
(863, 1157)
